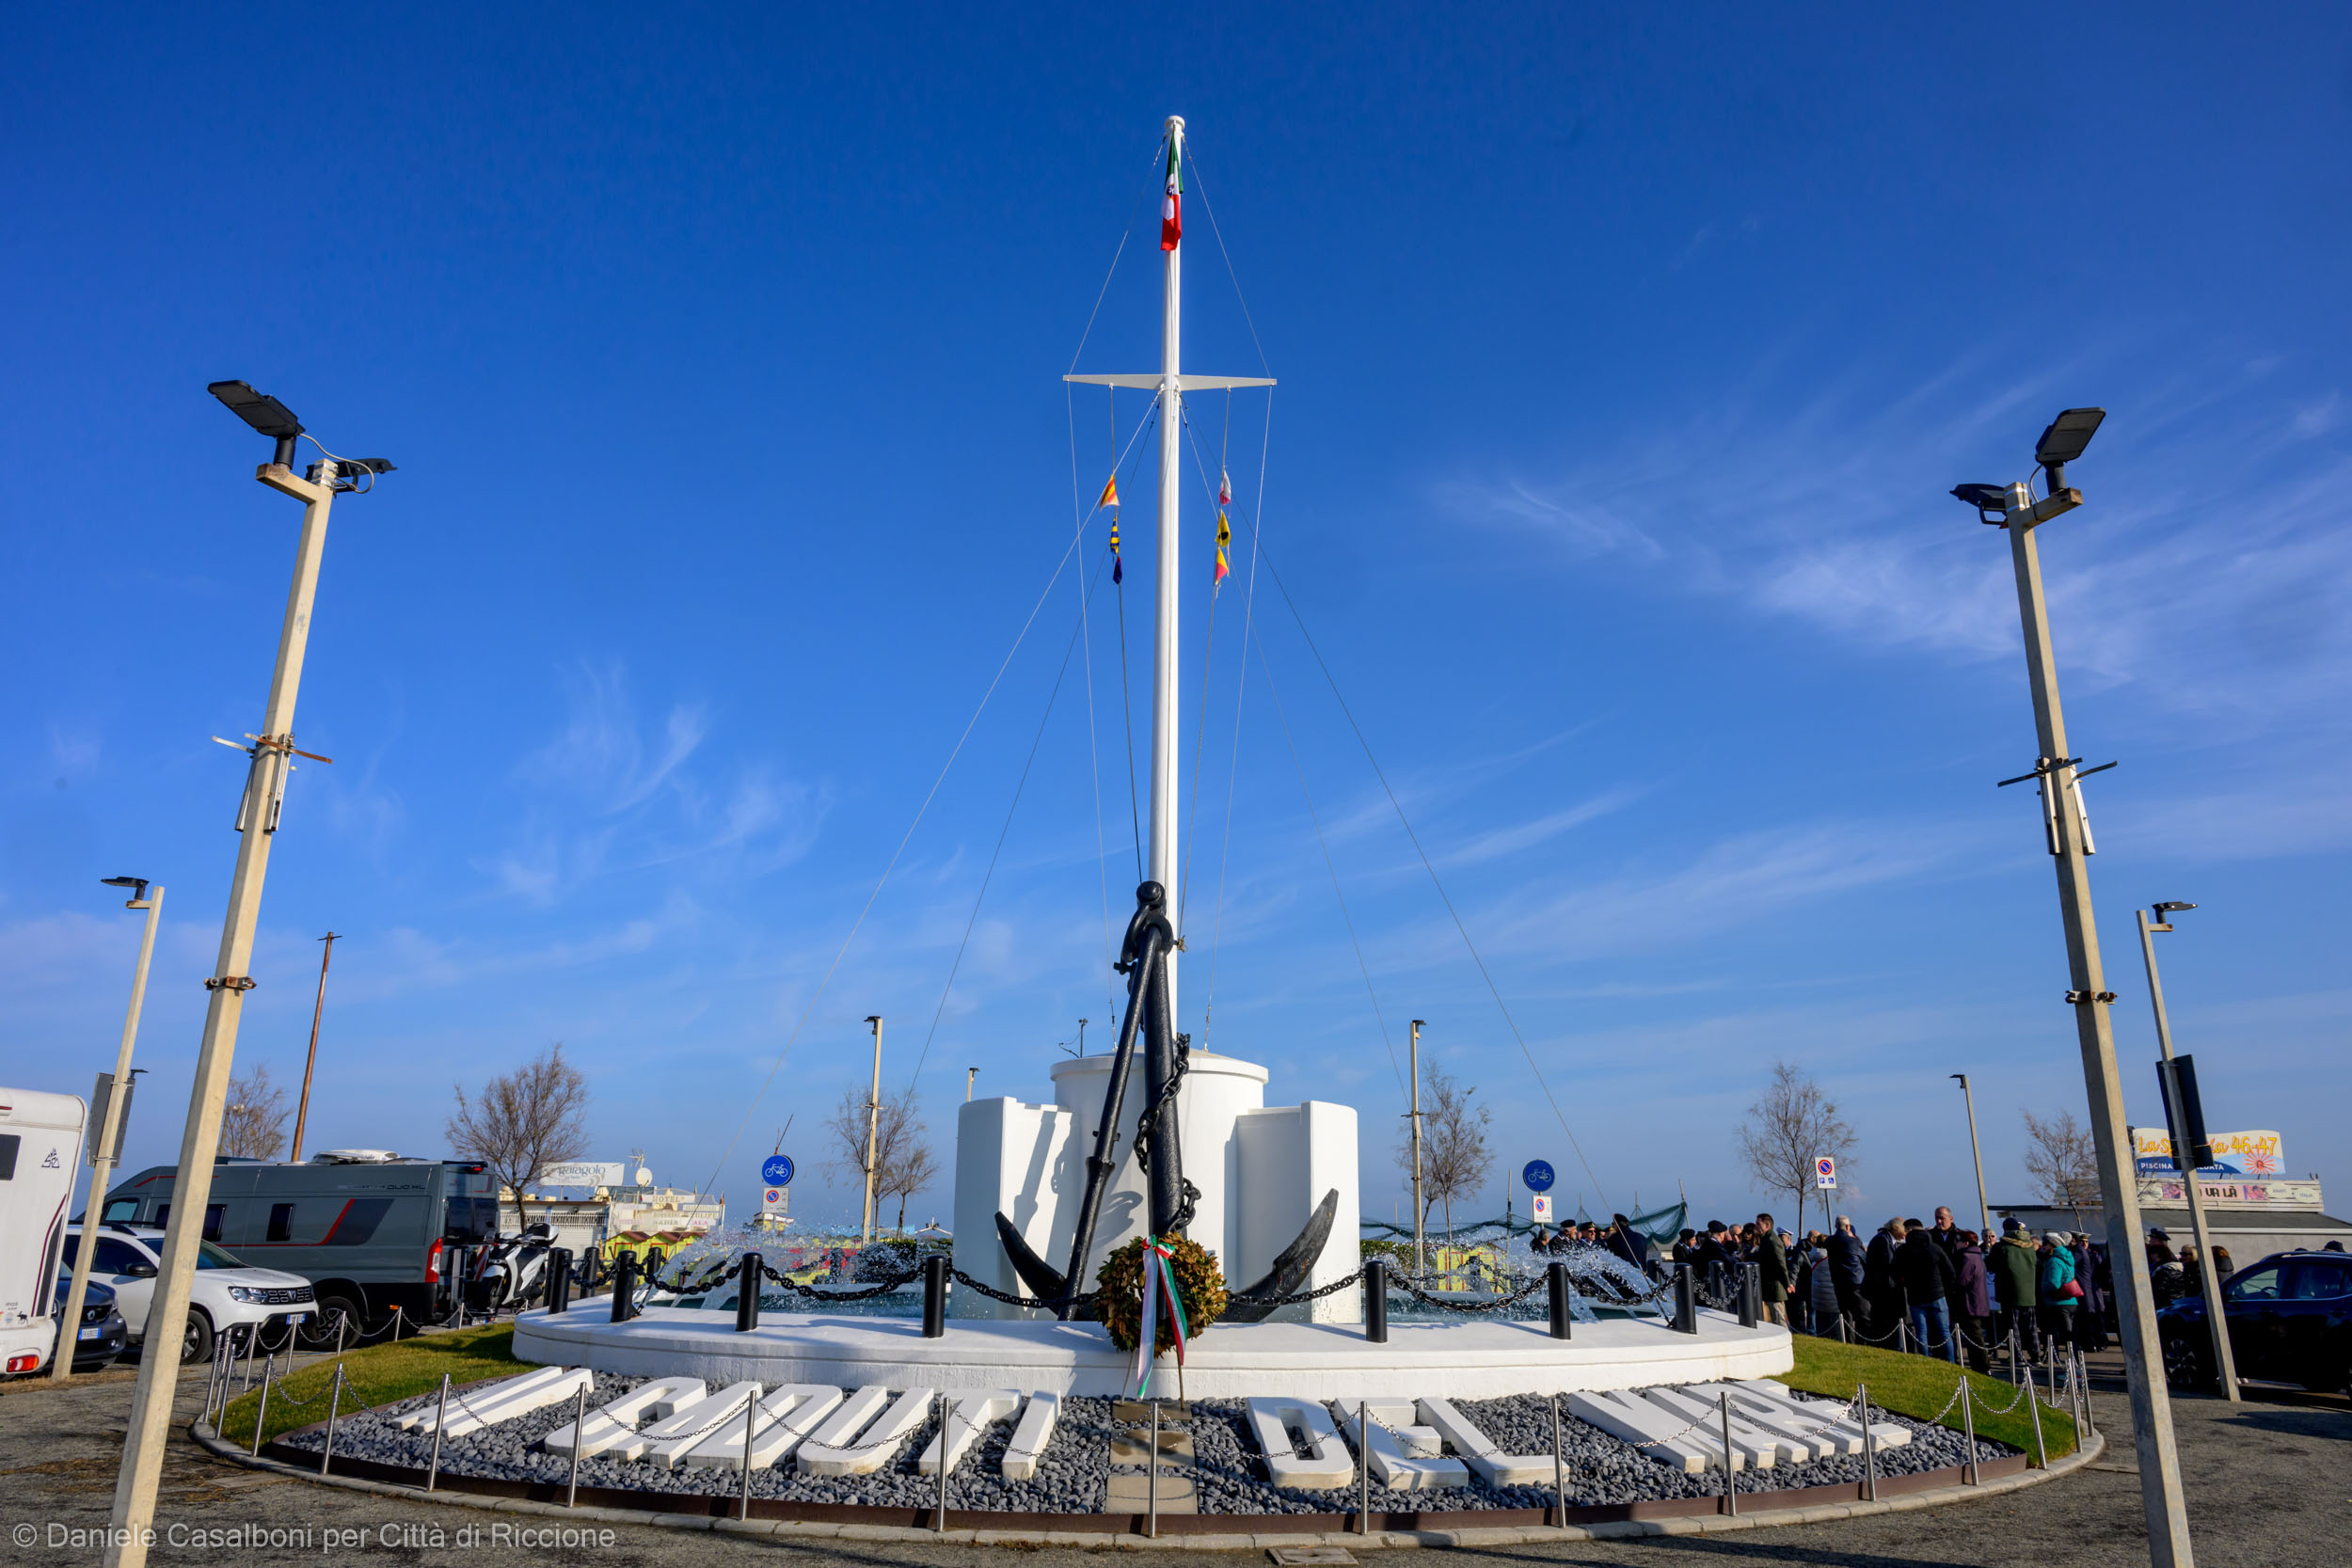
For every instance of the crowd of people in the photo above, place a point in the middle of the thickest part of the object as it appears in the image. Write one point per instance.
(1937, 1288)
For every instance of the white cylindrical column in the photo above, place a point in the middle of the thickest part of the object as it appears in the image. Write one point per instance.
(1161, 868)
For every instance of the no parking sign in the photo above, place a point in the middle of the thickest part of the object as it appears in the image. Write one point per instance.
(1825, 1173)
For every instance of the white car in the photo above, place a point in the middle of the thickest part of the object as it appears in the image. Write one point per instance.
(226, 1290)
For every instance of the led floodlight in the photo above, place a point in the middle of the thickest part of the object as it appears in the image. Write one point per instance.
(2068, 434)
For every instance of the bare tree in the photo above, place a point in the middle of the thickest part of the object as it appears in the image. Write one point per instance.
(1455, 1158)
(253, 1123)
(2063, 1161)
(1788, 1128)
(524, 1121)
(904, 1162)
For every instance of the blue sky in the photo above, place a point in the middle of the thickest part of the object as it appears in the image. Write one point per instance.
(1626, 361)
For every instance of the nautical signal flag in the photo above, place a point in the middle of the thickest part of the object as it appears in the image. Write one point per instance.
(1224, 542)
(1224, 488)
(1118, 569)
(1110, 494)
(1173, 209)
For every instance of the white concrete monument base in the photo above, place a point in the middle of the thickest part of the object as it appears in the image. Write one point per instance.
(1472, 1359)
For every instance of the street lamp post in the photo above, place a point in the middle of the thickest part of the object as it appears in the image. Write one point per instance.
(1420, 1247)
(318, 1010)
(1984, 1209)
(272, 753)
(2013, 508)
(873, 1129)
(105, 1150)
(2225, 1365)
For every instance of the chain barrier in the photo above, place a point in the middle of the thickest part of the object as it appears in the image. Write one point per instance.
(1496, 1304)
(1044, 1303)
(793, 1287)
(1297, 1296)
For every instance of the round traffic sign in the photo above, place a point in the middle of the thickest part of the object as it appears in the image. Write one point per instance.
(772, 1197)
(776, 1170)
(1537, 1176)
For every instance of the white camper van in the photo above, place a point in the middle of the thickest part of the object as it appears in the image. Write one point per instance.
(40, 1153)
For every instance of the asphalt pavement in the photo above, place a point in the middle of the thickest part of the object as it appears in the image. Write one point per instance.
(2269, 1484)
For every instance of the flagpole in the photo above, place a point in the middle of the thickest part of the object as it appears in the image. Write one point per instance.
(1164, 704)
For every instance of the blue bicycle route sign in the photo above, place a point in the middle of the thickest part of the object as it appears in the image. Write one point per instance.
(1537, 1176)
(776, 1170)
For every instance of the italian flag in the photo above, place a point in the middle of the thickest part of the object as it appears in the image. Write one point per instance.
(1172, 210)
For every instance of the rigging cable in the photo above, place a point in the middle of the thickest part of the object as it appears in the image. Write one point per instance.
(1349, 920)
(1094, 750)
(1126, 698)
(1233, 777)
(1429, 866)
(1002, 833)
(930, 795)
(1201, 188)
(1208, 651)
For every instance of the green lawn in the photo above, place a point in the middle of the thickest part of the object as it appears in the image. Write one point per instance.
(1917, 1386)
(377, 1374)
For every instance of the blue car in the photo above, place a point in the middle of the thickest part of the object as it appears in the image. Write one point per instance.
(101, 1333)
(2290, 1319)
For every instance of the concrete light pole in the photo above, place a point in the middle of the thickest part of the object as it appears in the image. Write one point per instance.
(969, 1073)
(2013, 508)
(1984, 1209)
(105, 1149)
(1421, 1245)
(873, 1129)
(272, 753)
(318, 1010)
(2225, 1364)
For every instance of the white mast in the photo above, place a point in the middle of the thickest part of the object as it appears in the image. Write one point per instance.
(1161, 865)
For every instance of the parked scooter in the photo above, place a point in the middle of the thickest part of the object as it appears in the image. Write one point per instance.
(513, 1273)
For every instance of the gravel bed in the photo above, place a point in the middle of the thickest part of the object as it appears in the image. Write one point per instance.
(1072, 1471)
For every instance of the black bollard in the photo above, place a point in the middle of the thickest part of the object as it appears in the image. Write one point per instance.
(559, 1281)
(1686, 1300)
(1751, 1293)
(1377, 1300)
(625, 1288)
(1557, 1275)
(935, 1310)
(747, 1279)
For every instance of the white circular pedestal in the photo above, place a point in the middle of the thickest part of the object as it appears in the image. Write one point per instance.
(1470, 1359)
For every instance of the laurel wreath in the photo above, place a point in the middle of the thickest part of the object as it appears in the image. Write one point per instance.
(1199, 1285)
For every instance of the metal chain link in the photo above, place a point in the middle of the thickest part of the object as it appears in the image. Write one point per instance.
(1297, 1296)
(1048, 1304)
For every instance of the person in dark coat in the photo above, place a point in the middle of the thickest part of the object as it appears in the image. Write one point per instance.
(1686, 1249)
(1845, 1263)
(1623, 1242)
(1882, 1293)
(1771, 1270)
(1928, 1282)
(1974, 1304)
(2090, 1316)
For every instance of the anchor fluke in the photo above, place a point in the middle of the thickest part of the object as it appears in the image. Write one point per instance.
(1290, 1269)
(1044, 1280)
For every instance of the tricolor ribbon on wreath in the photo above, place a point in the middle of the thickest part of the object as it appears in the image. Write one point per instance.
(1159, 1284)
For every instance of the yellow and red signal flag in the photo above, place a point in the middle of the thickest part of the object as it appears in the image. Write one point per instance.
(1224, 543)
(1110, 494)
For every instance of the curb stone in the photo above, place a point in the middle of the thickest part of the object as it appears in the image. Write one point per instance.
(1622, 1530)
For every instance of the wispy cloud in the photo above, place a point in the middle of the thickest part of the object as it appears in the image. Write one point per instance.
(613, 793)
(2201, 576)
